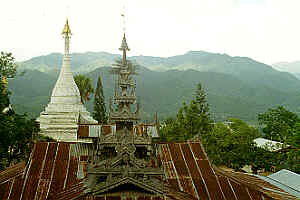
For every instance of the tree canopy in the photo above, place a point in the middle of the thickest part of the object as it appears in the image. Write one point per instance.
(231, 143)
(191, 119)
(8, 67)
(282, 125)
(84, 85)
(278, 123)
(16, 131)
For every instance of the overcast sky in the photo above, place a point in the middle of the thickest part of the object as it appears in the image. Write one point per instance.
(265, 30)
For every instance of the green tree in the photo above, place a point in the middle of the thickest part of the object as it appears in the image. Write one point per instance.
(293, 155)
(278, 123)
(191, 120)
(85, 87)
(4, 98)
(16, 130)
(284, 126)
(231, 144)
(99, 112)
(8, 67)
(16, 134)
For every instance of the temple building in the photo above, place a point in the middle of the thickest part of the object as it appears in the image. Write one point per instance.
(65, 111)
(121, 161)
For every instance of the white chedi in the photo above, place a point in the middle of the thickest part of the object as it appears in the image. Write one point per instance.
(65, 111)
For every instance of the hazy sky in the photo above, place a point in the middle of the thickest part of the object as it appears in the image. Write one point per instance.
(265, 30)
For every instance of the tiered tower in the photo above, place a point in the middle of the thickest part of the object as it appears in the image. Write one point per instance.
(65, 111)
(125, 160)
(125, 97)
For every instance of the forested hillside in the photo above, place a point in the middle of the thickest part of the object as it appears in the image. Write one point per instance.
(236, 86)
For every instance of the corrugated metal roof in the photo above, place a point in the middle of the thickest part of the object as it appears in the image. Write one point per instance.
(288, 178)
(58, 171)
(269, 145)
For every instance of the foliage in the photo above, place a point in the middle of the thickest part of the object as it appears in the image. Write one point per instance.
(282, 125)
(99, 112)
(278, 123)
(16, 133)
(230, 144)
(85, 87)
(4, 98)
(8, 67)
(191, 120)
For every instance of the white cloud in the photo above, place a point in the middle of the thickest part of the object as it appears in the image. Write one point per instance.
(266, 30)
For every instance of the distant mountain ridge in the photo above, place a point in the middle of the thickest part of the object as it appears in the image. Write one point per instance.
(236, 86)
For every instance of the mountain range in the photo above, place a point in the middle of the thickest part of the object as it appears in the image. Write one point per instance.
(291, 67)
(235, 86)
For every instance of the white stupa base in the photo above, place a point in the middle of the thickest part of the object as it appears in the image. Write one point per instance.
(60, 122)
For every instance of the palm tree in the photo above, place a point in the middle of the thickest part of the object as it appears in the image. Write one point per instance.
(85, 87)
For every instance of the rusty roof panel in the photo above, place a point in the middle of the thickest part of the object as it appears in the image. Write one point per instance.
(187, 186)
(83, 131)
(210, 179)
(11, 171)
(255, 195)
(5, 190)
(174, 183)
(33, 175)
(174, 149)
(71, 192)
(205, 168)
(198, 151)
(196, 176)
(42, 189)
(60, 168)
(51, 152)
(179, 163)
(226, 188)
(240, 191)
(170, 171)
(165, 153)
(72, 172)
(17, 187)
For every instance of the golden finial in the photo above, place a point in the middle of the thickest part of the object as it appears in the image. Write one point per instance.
(66, 30)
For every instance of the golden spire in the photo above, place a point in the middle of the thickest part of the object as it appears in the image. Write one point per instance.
(66, 30)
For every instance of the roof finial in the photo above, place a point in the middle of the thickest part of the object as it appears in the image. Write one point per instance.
(67, 35)
(66, 31)
(124, 47)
